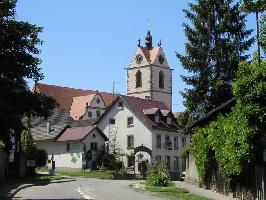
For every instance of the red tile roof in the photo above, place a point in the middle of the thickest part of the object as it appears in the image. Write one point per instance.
(139, 105)
(150, 111)
(77, 133)
(150, 55)
(64, 95)
(79, 105)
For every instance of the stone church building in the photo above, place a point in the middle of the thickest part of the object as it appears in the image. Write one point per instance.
(149, 75)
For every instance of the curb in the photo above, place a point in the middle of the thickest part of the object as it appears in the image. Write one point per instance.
(19, 188)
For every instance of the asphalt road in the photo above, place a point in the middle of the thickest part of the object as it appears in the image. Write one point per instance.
(86, 188)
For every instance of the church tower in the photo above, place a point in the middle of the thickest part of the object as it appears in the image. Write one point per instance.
(149, 75)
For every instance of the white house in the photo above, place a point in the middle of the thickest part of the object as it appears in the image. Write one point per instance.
(69, 149)
(132, 122)
(68, 141)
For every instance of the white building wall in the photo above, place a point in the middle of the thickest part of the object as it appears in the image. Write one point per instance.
(142, 133)
(73, 158)
(62, 158)
(163, 152)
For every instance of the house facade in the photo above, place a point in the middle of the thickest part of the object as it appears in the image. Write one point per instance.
(67, 141)
(69, 150)
(133, 122)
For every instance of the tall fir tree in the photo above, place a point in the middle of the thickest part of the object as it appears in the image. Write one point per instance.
(217, 39)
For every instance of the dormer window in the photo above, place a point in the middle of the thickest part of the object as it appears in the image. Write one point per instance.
(169, 120)
(157, 119)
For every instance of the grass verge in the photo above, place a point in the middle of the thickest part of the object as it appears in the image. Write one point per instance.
(92, 174)
(170, 192)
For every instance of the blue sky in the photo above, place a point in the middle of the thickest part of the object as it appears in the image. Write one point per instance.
(87, 44)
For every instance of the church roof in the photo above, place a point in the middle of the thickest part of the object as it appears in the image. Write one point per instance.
(150, 55)
(79, 104)
(64, 95)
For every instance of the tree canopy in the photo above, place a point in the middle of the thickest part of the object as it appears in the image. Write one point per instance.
(19, 63)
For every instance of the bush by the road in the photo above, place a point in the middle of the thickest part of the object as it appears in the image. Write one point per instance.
(158, 176)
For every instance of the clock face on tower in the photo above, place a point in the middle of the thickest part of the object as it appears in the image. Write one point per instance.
(161, 59)
(139, 58)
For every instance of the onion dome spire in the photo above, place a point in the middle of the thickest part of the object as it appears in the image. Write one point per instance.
(148, 40)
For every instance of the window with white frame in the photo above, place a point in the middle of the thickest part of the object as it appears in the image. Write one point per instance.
(158, 141)
(130, 141)
(175, 142)
(157, 119)
(167, 161)
(94, 146)
(176, 163)
(184, 142)
(130, 121)
(169, 120)
(168, 144)
(112, 120)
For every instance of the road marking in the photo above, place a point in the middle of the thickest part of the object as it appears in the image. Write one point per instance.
(84, 195)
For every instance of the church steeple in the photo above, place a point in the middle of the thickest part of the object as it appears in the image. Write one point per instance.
(148, 40)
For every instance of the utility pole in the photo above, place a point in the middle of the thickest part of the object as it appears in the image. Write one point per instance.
(114, 82)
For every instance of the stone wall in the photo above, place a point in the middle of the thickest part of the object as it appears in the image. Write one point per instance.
(191, 171)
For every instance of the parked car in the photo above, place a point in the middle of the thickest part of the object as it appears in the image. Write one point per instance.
(182, 176)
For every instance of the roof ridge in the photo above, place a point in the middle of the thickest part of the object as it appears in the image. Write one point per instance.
(65, 87)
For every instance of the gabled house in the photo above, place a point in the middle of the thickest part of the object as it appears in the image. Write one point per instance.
(132, 122)
(67, 141)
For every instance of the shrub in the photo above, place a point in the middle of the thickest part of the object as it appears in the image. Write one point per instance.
(159, 176)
